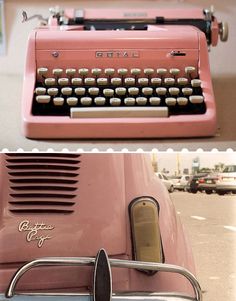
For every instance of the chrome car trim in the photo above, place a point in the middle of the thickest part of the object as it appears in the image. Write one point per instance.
(90, 261)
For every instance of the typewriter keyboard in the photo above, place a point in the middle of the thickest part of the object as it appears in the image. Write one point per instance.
(110, 92)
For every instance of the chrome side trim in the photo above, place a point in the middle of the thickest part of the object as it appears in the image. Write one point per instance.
(89, 261)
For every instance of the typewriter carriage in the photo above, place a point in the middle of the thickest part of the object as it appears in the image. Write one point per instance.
(88, 19)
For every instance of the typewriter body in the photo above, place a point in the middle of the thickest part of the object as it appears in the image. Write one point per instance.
(121, 74)
(58, 211)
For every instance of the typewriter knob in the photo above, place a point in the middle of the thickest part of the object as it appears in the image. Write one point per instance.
(223, 31)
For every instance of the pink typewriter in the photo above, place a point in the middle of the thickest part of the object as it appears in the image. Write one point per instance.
(121, 73)
(90, 228)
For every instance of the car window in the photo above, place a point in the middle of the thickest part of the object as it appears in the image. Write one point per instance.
(160, 177)
(230, 168)
(164, 177)
(187, 178)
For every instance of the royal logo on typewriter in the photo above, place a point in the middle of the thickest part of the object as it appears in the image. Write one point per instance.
(37, 232)
(117, 54)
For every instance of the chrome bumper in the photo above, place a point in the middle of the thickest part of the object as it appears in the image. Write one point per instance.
(103, 267)
(120, 297)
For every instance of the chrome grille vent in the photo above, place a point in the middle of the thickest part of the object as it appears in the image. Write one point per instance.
(42, 183)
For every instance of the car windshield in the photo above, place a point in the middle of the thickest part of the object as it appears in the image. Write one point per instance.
(230, 168)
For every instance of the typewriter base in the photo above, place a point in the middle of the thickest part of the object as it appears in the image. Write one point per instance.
(173, 127)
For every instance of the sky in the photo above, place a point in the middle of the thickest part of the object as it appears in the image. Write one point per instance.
(206, 159)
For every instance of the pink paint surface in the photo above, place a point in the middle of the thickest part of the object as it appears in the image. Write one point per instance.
(107, 183)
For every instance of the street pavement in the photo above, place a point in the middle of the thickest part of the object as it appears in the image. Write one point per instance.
(210, 222)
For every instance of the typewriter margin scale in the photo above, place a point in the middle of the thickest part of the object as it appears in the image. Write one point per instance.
(70, 21)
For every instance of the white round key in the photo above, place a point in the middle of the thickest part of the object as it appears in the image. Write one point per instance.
(120, 91)
(116, 81)
(147, 91)
(40, 91)
(76, 81)
(58, 101)
(96, 71)
(154, 101)
(195, 99)
(66, 91)
(114, 101)
(122, 71)
(133, 91)
(196, 83)
(161, 91)
(174, 91)
(161, 71)
(93, 91)
(57, 71)
(169, 81)
(89, 81)
(129, 81)
(72, 101)
(63, 81)
(182, 101)
(170, 101)
(70, 71)
(99, 101)
(108, 92)
(148, 71)
(42, 71)
(174, 71)
(182, 81)
(102, 81)
(83, 71)
(52, 91)
(142, 101)
(43, 98)
(187, 91)
(129, 101)
(156, 81)
(86, 101)
(79, 91)
(189, 69)
(143, 81)
(135, 71)
(51, 81)
(109, 71)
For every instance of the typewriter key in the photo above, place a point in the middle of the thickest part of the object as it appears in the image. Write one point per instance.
(170, 101)
(196, 99)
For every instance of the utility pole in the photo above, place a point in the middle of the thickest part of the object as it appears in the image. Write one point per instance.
(154, 162)
(178, 164)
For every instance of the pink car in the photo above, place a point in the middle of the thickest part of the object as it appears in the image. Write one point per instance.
(90, 226)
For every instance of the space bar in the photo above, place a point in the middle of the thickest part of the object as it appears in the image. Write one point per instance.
(118, 112)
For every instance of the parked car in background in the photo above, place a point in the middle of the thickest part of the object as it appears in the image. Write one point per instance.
(167, 182)
(193, 183)
(93, 225)
(208, 183)
(176, 181)
(183, 182)
(227, 180)
(180, 182)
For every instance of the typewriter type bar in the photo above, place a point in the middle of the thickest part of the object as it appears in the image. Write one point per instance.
(97, 79)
